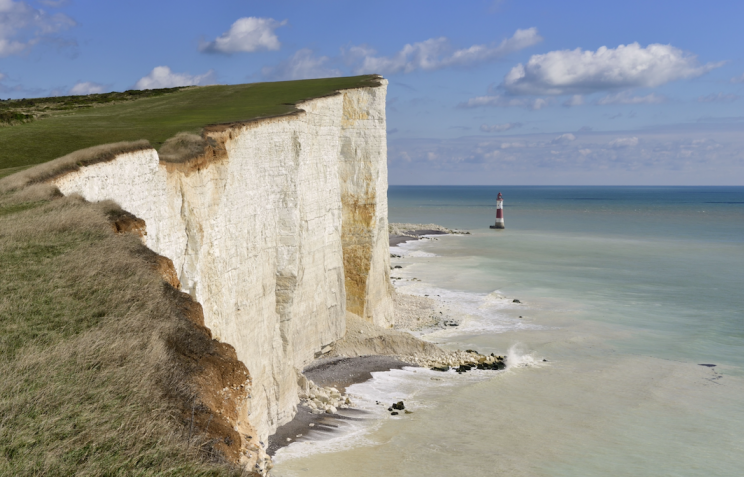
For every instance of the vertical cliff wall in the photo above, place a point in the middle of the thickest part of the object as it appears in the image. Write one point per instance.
(363, 185)
(276, 231)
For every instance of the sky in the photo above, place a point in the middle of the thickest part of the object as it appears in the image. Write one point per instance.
(500, 92)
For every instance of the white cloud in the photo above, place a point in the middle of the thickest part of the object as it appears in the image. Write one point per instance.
(673, 154)
(575, 100)
(23, 26)
(302, 65)
(627, 98)
(499, 101)
(563, 139)
(86, 87)
(163, 77)
(582, 72)
(718, 98)
(247, 34)
(624, 142)
(510, 145)
(499, 127)
(738, 79)
(2, 76)
(437, 53)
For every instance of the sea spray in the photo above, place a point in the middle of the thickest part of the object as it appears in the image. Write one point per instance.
(518, 357)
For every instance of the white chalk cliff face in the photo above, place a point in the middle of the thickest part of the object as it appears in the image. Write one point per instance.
(276, 237)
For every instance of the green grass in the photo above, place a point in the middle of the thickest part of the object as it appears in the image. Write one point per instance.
(156, 118)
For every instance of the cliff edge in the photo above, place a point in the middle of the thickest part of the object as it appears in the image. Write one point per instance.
(277, 228)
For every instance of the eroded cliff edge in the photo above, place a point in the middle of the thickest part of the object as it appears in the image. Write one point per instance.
(277, 230)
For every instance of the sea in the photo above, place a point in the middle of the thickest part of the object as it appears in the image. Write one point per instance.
(625, 350)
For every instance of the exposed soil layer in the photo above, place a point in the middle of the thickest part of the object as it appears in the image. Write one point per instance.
(218, 383)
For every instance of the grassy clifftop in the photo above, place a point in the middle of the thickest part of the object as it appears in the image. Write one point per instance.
(106, 368)
(64, 125)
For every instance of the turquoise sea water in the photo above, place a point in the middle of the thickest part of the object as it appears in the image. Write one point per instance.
(625, 291)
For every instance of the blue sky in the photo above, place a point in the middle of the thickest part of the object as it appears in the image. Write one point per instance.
(481, 92)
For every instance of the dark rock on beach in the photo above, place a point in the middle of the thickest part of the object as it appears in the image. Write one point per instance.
(464, 368)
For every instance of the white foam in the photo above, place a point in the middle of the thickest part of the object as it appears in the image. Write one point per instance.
(477, 312)
(408, 385)
(518, 357)
(412, 249)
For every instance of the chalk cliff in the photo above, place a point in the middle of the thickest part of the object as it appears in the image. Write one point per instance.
(277, 230)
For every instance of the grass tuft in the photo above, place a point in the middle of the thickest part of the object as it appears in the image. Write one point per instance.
(182, 148)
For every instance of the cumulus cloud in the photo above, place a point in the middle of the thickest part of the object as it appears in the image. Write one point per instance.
(437, 53)
(87, 87)
(499, 101)
(627, 98)
(163, 77)
(246, 35)
(624, 142)
(23, 26)
(718, 98)
(499, 127)
(583, 72)
(302, 65)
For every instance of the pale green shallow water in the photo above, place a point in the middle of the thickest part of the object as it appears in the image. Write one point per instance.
(626, 291)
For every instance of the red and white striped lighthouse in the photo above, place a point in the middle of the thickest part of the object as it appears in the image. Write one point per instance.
(499, 213)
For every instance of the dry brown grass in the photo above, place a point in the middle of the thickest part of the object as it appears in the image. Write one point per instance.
(96, 354)
(182, 147)
(68, 163)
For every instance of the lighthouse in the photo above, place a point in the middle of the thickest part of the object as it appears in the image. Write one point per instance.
(499, 213)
